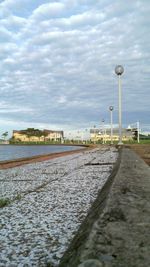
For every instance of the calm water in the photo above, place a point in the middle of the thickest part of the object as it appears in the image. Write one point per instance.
(8, 152)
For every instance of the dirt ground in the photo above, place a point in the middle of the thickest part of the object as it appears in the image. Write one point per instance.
(143, 151)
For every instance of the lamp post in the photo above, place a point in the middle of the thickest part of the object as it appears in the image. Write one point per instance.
(103, 129)
(82, 135)
(111, 108)
(86, 138)
(138, 131)
(94, 134)
(119, 70)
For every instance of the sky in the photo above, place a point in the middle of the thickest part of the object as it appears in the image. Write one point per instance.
(57, 61)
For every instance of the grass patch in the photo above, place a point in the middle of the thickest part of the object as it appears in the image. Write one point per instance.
(4, 202)
(18, 197)
(49, 264)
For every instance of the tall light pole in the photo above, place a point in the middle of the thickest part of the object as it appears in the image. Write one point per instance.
(138, 131)
(103, 129)
(86, 135)
(111, 108)
(119, 70)
(94, 134)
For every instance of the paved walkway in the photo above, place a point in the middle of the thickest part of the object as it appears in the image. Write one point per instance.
(120, 234)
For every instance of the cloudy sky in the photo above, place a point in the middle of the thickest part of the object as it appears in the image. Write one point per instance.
(57, 61)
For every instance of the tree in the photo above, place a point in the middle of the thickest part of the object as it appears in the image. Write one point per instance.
(33, 132)
(29, 132)
(38, 133)
(4, 135)
(45, 134)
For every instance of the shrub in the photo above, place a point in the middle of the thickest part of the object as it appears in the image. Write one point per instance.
(4, 202)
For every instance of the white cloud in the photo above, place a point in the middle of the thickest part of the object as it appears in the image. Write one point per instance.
(48, 10)
(62, 100)
(5, 35)
(6, 107)
(13, 22)
(58, 59)
(12, 6)
(86, 18)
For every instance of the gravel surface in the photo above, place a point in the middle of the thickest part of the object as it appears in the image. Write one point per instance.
(48, 202)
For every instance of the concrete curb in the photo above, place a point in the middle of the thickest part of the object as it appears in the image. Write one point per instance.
(72, 255)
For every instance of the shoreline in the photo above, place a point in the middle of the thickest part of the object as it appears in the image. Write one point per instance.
(22, 161)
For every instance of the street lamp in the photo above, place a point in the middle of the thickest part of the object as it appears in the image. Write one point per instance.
(138, 131)
(119, 70)
(103, 129)
(111, 108)
(85, 137)
(94, 134)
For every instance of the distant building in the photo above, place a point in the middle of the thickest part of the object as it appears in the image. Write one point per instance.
(36, 135)
(97, 135)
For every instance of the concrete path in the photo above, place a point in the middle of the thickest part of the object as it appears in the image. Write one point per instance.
(120, 234)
